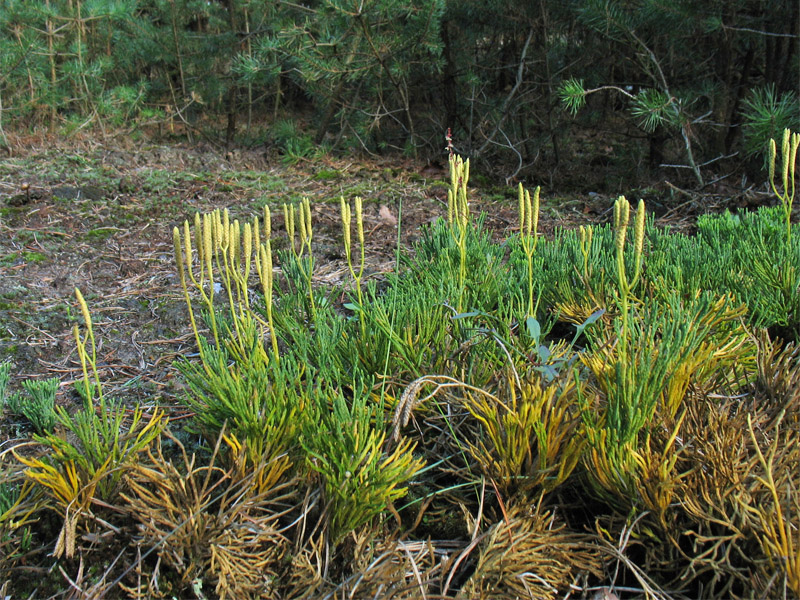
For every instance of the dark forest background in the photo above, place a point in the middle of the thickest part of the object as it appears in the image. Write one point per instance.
(689, 90)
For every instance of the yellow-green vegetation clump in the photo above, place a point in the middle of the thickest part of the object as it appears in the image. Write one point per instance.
(607, 409)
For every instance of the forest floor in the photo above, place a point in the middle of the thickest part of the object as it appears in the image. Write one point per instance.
(99, 216)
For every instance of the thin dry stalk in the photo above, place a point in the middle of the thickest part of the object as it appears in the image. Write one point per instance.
(409, 400)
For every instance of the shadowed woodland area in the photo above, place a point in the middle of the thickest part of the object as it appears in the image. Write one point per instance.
(681, 89)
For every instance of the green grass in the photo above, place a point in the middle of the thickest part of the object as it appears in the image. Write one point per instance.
(100, 233)
(24, 256)
(327, 175)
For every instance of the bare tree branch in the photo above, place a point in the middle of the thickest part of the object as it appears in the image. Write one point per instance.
(756, 31)
(507, 101)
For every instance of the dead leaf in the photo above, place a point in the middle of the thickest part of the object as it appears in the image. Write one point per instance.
(386, 216)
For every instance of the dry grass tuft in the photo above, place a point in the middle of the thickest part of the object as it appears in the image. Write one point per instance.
(531, 554)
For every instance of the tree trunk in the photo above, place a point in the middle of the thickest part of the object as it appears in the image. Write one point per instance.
(734, 119)
(230, 131)
(449, 97)
(793, 28)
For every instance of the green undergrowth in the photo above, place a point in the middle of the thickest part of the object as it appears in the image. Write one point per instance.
(608, 406)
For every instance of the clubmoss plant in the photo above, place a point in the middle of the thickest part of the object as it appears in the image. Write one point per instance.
(204, 281)
(405, 332)
(209, 521)
(667, 349)
(38, 406)
(228, 248)
(458, 216)
(264, 267)
(626, 286)
(344, 445)
(255, 398)
(746, 255)
(531, 433)
(104, 441)
(529, 553)
(789, 155)
(436, 265)
(303, 257)
(71, 493)
(348, 250)
(88, 359)
(17, 509)
(529, 231)
(779, 535)
(577, 273)
(184, 265)
(5, 373)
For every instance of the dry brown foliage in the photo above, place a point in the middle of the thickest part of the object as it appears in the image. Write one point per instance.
(210, 525)
(531, 554)
(735, 523)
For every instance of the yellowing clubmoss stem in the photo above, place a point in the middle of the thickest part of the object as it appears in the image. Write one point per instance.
(265, 274)
(288, 220)
(346, 215)
(791, 142)
(626, 286)
(586, 234)
(458, 216)
(638, 242)
(182, 267)
(306, 236)
(85, 357)
(529, 228)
